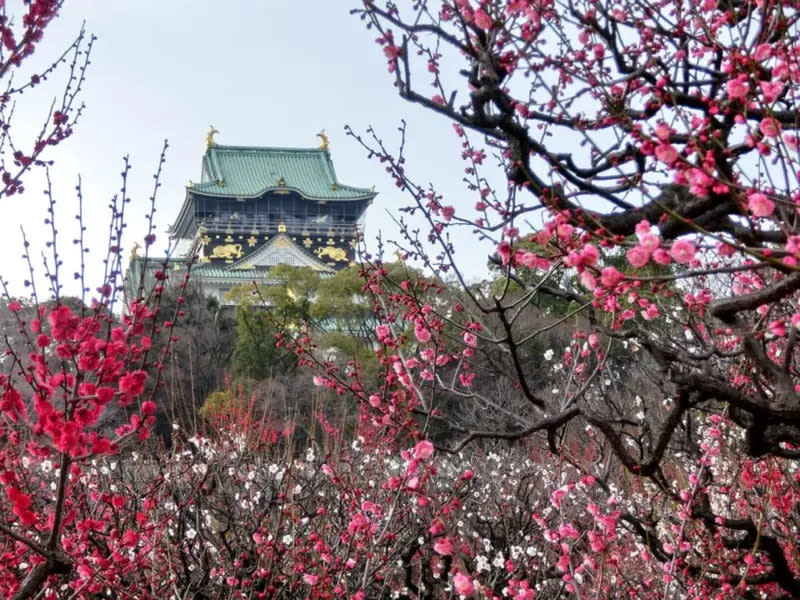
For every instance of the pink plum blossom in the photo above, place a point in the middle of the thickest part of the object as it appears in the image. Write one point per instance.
(643, 228)
(443, 546)
(383, 332)
(423, 450)
(699, 181)
(661, 257)
(769, 127)
(422, 333)
(771, 90)
(482, 19)
(738, 88)
(682, 251)
(649, 242)
(666, 153)
(588, 280)
(463, 584)
(638, 256)
(557, 497)
(650, 313)
(436, 528)
(777, 328)
(763, 52)
(663, 131)
(759, 205)
(610, 277)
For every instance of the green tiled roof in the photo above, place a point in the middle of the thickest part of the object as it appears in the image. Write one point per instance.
(244, 171)
(215, 272)
(178, 266)
(245, 275)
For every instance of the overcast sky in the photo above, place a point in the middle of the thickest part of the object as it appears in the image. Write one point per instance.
(264, 73)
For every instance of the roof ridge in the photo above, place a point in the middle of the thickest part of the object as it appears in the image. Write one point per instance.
(268, 148)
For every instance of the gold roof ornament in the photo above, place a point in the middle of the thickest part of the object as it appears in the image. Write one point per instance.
(321, 135)
(210, 137)
(281, 227)
(336, 254)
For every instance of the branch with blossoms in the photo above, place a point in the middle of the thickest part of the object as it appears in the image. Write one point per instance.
(18, 44)
(649, 165)
(79, 385)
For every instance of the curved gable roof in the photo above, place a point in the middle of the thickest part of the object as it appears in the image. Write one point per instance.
(245, 171)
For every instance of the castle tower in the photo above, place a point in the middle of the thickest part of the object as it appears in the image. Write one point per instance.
(256, 207)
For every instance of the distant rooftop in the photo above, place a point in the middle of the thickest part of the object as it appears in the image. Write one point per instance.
(246, 172)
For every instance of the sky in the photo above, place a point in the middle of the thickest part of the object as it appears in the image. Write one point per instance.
(263, 73)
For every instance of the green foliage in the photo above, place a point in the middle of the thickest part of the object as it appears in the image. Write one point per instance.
(340, 297)
(337, 309)
(256, 354)
(334, 306)
(216, 404)
(263, 312)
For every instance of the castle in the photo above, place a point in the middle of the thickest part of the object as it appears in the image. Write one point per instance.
(256, 207)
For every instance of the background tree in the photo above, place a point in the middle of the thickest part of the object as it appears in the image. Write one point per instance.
(199, 357)
(263, 312)
(336, 309)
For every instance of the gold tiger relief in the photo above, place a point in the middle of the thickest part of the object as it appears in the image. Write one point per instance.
(228, 251)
